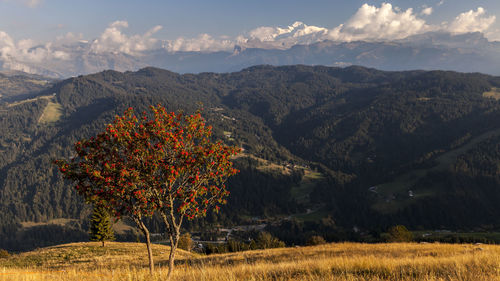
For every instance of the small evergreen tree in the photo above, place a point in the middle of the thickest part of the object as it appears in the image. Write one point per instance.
(100, 226)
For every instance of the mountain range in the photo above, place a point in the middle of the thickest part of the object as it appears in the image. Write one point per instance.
(469, 52)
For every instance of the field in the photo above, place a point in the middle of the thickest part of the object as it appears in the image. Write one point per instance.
(494, 93)
(51, 113)
(344, 261)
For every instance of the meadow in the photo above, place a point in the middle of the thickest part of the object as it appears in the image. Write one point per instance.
(339, 261)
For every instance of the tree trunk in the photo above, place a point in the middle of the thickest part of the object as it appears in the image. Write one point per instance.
(174, 231)
(174, 240)
(102, 243)
(145, 231)
(150, 252)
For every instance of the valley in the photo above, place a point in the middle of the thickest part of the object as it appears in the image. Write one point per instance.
(343, 153)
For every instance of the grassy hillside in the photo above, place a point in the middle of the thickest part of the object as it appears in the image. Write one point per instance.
(345, 261)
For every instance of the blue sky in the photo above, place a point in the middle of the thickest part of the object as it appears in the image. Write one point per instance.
(44, 20)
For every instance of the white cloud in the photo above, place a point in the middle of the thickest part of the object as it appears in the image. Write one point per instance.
(27, 50)
(68, 39)
(471, 21)
(264, 33)
(384, 23)
(112, 40)
(7, 45)
(441, 2)
(202, 43)
(427, 11)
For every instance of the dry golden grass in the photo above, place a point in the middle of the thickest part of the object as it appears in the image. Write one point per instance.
(59, 221)
(345, 261)
(494, 93)
(30, 100)
(51, 113)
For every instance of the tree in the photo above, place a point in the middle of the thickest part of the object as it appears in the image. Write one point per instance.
(4, 254)
(265, 240)
(185, 242)
(100, 225)
(162, 162)
(315, 240)
(399, 233)
(190, 170)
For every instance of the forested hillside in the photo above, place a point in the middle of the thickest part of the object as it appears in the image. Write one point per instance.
(325, 149)
(15, 84)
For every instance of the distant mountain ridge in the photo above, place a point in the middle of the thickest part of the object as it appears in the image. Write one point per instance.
(470, 52)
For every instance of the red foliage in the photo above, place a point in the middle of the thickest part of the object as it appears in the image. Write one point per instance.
(160, 161)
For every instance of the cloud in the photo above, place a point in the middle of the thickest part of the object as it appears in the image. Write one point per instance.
(385, 23)
(27, 50)
(7, 45)
(471, 21)
(202, 43)
(265, 33)
(427, 11)
(25, 55)
(441, 2)
(113, 40)
(68, 39)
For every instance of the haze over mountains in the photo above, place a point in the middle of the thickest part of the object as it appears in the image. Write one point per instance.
(470, 52)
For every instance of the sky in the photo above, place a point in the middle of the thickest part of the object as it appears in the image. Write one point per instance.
(203, 25)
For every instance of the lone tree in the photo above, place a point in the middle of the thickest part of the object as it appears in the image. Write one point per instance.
(162, 162)
(100, 226)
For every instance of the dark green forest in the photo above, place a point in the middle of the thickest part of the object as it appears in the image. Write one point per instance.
(326, 150)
